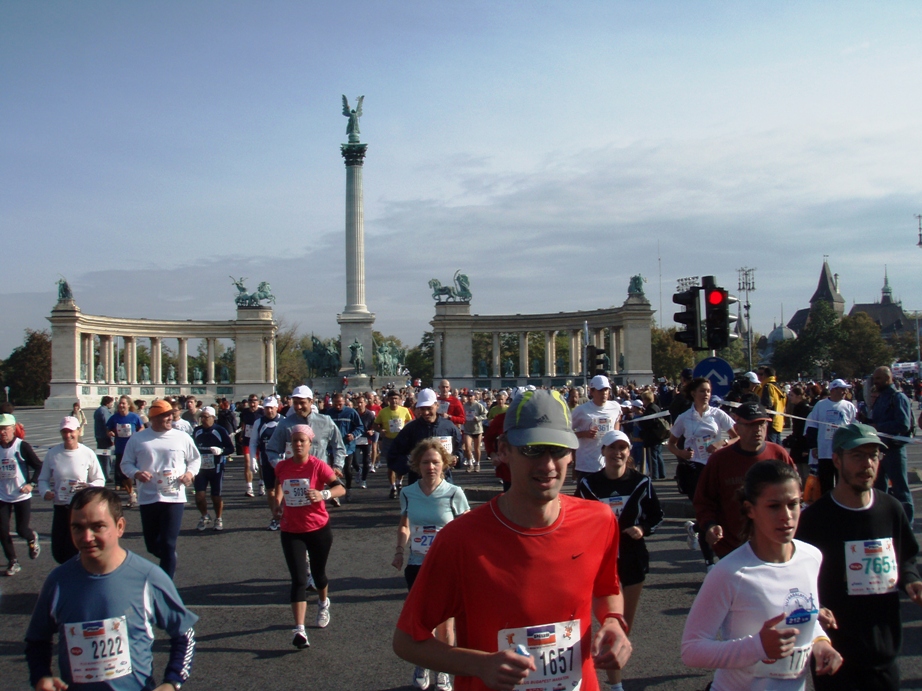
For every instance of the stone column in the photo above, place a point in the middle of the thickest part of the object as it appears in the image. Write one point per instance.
(183, 360)
(523, 354)
(436, 355)
(87, 355)
(614, 347)
(156, 373)
(110, 360)
(131, 359)
(354, 155)
(270, 359)
(550, 353)
(496, 355)
(209, 368)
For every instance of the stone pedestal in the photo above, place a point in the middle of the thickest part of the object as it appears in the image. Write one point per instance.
(355, 326)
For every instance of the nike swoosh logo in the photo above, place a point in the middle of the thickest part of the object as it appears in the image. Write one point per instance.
(577, 556)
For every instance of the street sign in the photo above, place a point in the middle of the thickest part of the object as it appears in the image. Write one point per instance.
(718, 371)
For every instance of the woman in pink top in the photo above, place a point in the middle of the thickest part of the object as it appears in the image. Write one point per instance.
(305, 530)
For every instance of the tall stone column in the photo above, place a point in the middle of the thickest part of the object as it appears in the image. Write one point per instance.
(550, 353)
(110, 360)
(496, 355)
(88, 356)
(614, 347)
(131, 359)
(436, 355)
(209, 367)
(270, 359)
(523, 354)
(156, 373)
(183, 360)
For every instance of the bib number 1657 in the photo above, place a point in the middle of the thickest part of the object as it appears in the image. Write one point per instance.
(556, 661)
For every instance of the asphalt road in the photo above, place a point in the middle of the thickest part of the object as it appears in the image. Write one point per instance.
(237, 582)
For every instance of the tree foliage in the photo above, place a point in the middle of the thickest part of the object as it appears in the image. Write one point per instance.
(860, 347)
(289, 358)
(669, 356)
(27, 371)
(420, 359)
(811, 353)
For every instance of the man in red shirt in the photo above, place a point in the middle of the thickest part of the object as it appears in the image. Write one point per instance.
(717, 509)
(524, 574)
(451, 406)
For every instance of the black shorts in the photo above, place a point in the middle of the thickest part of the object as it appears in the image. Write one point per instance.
(634, 566)
(268, 475)
(213, 477)
(411, 572)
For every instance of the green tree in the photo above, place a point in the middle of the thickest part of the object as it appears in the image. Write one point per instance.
(860, 348)
(289, 357)
(669, 356)
(811, 353)
(905, 346)
(420, 359)
(27, 371)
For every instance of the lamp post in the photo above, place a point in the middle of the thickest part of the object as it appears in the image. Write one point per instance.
(747, 283)
(919, 217)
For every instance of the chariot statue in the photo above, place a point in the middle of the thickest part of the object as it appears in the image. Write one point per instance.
(459, 292)
(245, 299)
(636, 285)
(64, 292)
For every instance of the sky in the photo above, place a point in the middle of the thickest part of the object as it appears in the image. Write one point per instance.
(549, 150)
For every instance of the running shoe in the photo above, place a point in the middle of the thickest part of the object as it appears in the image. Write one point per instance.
(249, 492)
(476, 467)
(691, 538)
(132, 500)
(393, 494)
(373, 469)
(274, 524)
(364, 485)
(310, 583)
(300, 639)
(443, 682)
(34, 548)
(203, 522)
(13, 568)
(421, 678)
(262, 490)
(323, 615)
(219, 524)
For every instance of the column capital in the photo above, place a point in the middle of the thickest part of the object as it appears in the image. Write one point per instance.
(353, 153)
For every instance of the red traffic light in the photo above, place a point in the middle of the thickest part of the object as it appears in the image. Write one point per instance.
(715, 297)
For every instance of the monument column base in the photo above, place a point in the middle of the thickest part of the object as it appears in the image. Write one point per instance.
(356, 326)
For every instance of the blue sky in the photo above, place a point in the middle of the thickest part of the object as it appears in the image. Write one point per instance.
(548, 150)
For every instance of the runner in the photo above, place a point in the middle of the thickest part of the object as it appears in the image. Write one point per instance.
(389, 422)
(769, 582)
(306, 533)
(428, 423)
(215, 445)
(364, 443)
(425, 508)
(16, 457)
(248, 419)
(262, 432)
(122, 424)
(163, 461)
(103, 608)
(631, 497)
(68, 468)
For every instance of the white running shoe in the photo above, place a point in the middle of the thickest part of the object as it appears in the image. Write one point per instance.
(219, 524)
(691, 538)
(203, 522)
(421, 678)
(323, 615)
(443, 682)
(300, 639)
(262, 490)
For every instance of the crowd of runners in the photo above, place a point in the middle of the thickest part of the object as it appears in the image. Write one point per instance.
(502, 596)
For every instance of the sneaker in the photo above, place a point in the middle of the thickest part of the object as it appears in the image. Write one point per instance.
(363, 485)
(323, 615)
(393, 494)
(691, 538)
(421, 678)
(476, 467)
(443, 682)
(300, 639)
(203, 522)
(34, 548)
(262, 490)
(132, 500)
(310, 583)
(274, 524)
(219, 524)
(373, 469)
(249, 492)
(13, 568)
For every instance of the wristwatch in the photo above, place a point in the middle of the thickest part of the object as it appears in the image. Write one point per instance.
(621, 620)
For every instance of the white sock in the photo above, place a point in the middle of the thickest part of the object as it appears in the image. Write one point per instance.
(324, 604)
(299, 628)
(249, 485)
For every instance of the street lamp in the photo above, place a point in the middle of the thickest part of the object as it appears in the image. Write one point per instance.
(747, 283)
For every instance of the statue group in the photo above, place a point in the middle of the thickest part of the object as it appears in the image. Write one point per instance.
(459, 292)
(357, 356)
(389, 358)
(323, 358)
(245, 299)
(64, 292)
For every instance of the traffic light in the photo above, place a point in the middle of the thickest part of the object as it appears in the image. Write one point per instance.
(589, 365)
(690, 318)
(719, 320)
(601, 361)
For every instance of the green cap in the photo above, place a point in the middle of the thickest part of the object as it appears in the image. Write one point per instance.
(539, 417)
(854, 435)
(7, 420)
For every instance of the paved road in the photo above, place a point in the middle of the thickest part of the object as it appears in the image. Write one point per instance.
(237, 583)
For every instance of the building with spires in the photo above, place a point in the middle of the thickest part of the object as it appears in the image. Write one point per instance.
(887, 314)
(827, 290)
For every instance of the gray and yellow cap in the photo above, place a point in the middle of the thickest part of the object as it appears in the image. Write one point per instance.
(855, 435)
(539, 417)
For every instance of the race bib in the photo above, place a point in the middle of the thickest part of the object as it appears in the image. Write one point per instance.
(789, 667)
(394, 425)
(446, 443)
(66, 490)
(834, 418)
(98, 650)
(167, 483)
(295, 492)
(603, 423)
(800, 612)
(123, 430)
(871, 567)
(700, 447)
(207, 461)
(421, 537)
(9, 469)
(246, 430)
(443, 407)
(361, 441)
(615, 503)
(556, 651)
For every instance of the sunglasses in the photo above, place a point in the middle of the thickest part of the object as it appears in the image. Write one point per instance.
(539, 450)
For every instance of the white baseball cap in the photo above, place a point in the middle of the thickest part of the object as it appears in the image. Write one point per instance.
(302, 392)
(614, 435)
(426, 398)
(270, 402)
(71, 423)
(839, 384)
(599, 382)
(208, 410)
(752, 377)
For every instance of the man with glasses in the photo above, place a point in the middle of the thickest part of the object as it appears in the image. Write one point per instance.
(248, 418)
(524, 574)
(869, 556)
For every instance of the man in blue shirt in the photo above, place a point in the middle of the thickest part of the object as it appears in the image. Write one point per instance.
(103, 606)
(350, 426)
(891, 414)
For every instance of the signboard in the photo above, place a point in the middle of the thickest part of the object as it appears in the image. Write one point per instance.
(718, 371)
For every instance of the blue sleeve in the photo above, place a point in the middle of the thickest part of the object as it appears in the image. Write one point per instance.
(227, 442)
(172, 616)
(358, 427)
(39, 636)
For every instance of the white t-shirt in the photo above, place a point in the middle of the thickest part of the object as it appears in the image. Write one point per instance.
(589, 415)
(62, 469)
(165, 455)
(737, 597)
(700, 431)
(841, 413)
